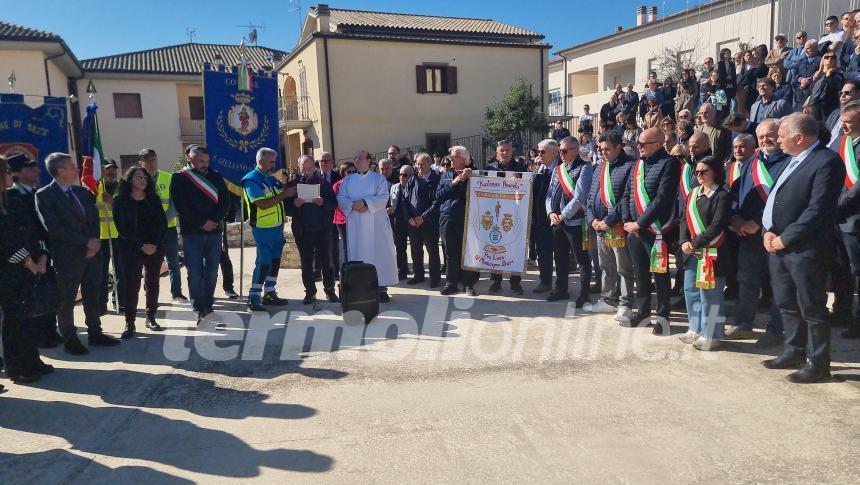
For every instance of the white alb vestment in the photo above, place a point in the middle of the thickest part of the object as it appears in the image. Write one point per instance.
(368, 235)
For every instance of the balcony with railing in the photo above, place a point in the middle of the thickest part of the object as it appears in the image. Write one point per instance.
(296, 112)
(557, 109)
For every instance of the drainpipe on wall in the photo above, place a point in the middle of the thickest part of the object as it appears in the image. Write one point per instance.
(328, 98)
(542, 67)
(564, 96)
(772, 22)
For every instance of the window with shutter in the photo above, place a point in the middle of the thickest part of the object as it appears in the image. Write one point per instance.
(436, 78)
(451, 79)
(127, 105)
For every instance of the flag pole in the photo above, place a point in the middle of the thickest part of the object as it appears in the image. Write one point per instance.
(115, 299)
(242, 248)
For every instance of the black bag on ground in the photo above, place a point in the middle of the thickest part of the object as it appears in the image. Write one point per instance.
(359, 289)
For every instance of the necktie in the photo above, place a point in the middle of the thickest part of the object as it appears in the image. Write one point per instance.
(75, 205)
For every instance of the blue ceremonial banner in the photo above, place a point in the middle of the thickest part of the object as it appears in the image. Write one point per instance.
(239, 121)
(34, 131)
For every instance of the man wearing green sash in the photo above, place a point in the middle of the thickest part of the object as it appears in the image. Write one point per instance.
(849, 213)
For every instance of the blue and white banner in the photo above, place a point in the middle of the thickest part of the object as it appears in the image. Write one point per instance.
(34, 131)
(239, 121)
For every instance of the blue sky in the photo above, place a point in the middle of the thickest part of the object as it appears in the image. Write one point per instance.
(95, 28)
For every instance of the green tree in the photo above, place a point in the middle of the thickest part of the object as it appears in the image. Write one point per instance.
(516, 117)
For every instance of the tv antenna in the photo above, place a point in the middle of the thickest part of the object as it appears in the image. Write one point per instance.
(191, 33)
(252, 31)
(297, 8)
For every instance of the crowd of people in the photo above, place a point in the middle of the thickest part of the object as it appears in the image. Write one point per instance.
(743, 174)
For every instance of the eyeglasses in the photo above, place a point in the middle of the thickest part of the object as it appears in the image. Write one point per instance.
(800, 37)
(645, 143)
(845, 93)
(564, 151)
(702, 172)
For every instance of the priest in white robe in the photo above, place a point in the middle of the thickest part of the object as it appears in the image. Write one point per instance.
(362, 198)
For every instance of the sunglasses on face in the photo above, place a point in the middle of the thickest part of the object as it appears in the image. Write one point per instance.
(564, 151)
(845, 93)
(828, 57)
(645, 143)
(702, 172)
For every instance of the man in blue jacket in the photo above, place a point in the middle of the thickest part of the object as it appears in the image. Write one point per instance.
(565, 206)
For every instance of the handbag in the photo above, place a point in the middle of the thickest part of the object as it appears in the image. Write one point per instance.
(42, 294)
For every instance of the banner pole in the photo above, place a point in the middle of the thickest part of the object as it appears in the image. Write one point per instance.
(242, 248)
(112, 256)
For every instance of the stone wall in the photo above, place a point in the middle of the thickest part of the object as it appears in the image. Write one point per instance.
(290, 257)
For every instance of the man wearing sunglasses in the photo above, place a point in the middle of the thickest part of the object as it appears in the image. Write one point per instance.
(833, 124)
(794, 57)
(504, 162)
(652, 193)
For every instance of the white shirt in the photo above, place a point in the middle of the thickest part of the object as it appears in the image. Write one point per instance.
(834, 37)
(767, 217)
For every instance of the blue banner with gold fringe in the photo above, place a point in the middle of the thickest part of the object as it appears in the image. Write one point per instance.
(36, 132)
(241, 109)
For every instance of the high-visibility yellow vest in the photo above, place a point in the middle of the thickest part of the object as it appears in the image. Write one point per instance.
(162, 188)
(263, 218)
(107, 229)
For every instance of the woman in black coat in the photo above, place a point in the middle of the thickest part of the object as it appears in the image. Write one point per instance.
(826, 84)
(141, 225)
(705, 256)
(21, 260)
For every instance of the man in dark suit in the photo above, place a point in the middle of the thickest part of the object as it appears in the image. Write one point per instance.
(799, 221)
(414, 212)
(429, 232)
(451, 197)
(68, 212)
(652, 214)
(505, 162)
(399, 214)
(848, 215)
(313, 221)
(329, 175)
(748, 200)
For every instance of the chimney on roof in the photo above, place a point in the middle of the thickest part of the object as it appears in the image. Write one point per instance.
(618, 28)
(641, 16)
(323, 15)
(652, 14)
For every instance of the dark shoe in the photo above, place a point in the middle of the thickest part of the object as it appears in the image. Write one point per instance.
(852, 332)
(253, 306)
(434, 283)
(495, 288)
(558, 296)
(25, 379)
(151, 324)
(541, 288)
(75, 347)
(415, 281)
(636, 321)
(308, 299)
(403, 276)
(43, 368)
(516, 288)
(271, 299)
(661, 327)
(784, 362)
(450, 290)
(384, 297)
(808, 374)
(231, 294)
(470, 290)
(332, 296)
(102, 340)
(180, 298)
(128, 332)
(581, 301)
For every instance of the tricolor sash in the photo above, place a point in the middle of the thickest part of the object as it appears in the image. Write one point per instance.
(686, 184)
(565, 180)
(733, 173)
(705, 276)
(201, 182)
(660, 250)
(762, 181)
(846, 151)
(614, 235)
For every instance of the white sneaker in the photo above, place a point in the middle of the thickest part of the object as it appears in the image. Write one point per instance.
(599, 307)
(623, 314)
(689, 337)
(706, 344)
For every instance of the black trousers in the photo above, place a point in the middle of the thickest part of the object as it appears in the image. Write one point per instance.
(842, 281)
(226, 264)
(452, 234)
(640, 253)
(19, 336)
(334, 255)
(401, 235)
(312, 244)
(798, 280)
(564, 240)
(133, 264)
(425, 237)
(86, 274)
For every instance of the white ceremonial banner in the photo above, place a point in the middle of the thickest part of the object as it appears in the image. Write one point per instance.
(498, 220)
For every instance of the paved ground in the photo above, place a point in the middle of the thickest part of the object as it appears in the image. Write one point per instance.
(439, 390)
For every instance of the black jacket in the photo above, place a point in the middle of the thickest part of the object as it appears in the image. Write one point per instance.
(515, 166)
(68, 233)
(194, 207)
(662, 173)
(419, 201)
(619, 174)
(753, 205)
(730, 77)
(848, 206)
(715, 212)
(451, 199)
(20, 237)
(824, 97)
(805, 205)
(312, 217)
(127, 218)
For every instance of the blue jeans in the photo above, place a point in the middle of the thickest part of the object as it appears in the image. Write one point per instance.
(202, 258)
(752, 275)
(704, 307)
(171, 254)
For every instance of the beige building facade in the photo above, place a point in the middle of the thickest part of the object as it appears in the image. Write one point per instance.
(364, 80)
(588, 72)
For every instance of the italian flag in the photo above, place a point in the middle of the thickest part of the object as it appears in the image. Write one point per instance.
(91, 172)
(245, 81)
